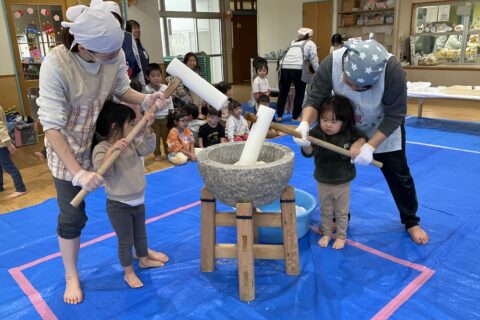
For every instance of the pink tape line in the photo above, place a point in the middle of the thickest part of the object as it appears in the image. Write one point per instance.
(36, 298)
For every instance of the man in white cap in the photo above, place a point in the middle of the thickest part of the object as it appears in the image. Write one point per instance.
(76, 79)
(293, 69)
(374, 81)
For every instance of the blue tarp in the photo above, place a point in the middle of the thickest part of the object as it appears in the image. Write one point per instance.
(380, 266)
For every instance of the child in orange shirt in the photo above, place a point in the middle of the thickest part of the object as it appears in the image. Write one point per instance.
(180, 140)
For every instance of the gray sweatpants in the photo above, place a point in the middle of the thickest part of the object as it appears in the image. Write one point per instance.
(334, 200)
(129, 225)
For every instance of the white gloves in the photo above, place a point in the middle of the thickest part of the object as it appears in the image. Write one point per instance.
(366, 155)
(157, 98)
(87, 180)
(304, 129)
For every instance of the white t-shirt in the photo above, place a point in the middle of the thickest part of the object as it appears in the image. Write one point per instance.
(260, 85)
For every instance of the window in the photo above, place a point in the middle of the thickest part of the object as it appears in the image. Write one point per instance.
(198, 30)
(446, 33)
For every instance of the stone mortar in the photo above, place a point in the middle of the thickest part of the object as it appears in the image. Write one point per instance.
(258, 184)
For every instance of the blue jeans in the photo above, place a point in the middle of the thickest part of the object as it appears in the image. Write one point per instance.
(7, 165)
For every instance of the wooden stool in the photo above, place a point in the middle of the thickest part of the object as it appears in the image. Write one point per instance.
(247, 220)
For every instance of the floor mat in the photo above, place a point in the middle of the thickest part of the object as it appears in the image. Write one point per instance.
(379, 274)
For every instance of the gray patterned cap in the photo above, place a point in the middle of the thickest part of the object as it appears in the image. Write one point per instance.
(364, 62)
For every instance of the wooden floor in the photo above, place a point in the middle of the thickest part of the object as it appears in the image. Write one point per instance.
(40, 187)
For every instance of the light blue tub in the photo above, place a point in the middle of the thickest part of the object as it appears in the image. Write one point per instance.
(302, 199)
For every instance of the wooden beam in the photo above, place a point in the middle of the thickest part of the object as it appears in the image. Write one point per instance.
(260, 251)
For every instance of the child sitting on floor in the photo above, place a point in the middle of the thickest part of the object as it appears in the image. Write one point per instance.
(334, 172)
(180, 139)
(237, 127)
(212, 132)
(226, 89)
(125, 185)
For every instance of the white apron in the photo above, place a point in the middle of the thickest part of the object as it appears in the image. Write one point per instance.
(368, 105)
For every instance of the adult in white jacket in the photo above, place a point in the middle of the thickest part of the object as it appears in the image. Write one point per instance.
(291, 67)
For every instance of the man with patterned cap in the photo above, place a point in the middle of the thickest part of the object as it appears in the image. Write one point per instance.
(374, 81)
(76, 79)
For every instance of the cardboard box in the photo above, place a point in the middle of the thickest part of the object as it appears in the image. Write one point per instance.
(348, 5)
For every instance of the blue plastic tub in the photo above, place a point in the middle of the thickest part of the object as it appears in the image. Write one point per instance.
(302, 199)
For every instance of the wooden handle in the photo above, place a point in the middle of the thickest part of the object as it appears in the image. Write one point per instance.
(289, 130)
(115, 154)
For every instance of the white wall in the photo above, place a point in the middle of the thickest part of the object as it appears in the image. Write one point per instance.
(277, 23)
(146, 13)
(6, 66)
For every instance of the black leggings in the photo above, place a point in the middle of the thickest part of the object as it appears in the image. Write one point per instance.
(286, 78)
(129, 225)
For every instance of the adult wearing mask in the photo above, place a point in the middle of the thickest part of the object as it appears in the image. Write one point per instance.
(374, 81)
(133, 27)
(129, 46)
(76, 79)
(291, 66)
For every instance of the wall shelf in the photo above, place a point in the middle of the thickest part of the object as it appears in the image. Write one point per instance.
(367, 25)
(367, 11)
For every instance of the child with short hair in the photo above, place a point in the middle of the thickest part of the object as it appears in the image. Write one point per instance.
(212, 132)
(180, 139)
(194, 121)
(6, 163)
(125, 184)
(154, 77)
(237, 127)
(226, 89)
(260, 85)
(333, 171)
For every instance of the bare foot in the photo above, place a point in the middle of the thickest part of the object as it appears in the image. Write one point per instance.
(149, 263)
(73, 293)
(339, 244)
(39, 155)
(323, 242)
(16, 194)
(132, 280)
(418, 235)
(154, 255)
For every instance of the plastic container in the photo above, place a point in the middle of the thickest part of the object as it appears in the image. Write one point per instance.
(302, 199)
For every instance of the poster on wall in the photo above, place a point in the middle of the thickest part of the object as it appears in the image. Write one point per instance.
(444, 13)
(432, 13)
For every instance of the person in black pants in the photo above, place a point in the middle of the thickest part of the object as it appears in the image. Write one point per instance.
(375, 82)
(301, 50)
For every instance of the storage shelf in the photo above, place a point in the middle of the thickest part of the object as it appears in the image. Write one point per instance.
(366, 11)
(366, 25)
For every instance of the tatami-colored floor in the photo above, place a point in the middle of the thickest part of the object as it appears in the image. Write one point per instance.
(40, 187)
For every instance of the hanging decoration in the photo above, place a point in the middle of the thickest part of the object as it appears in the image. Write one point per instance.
(56, 17)
(45, 12)
(31, 31)
(35, 53)
(50, 32)
(30, 10)
(18, 14)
